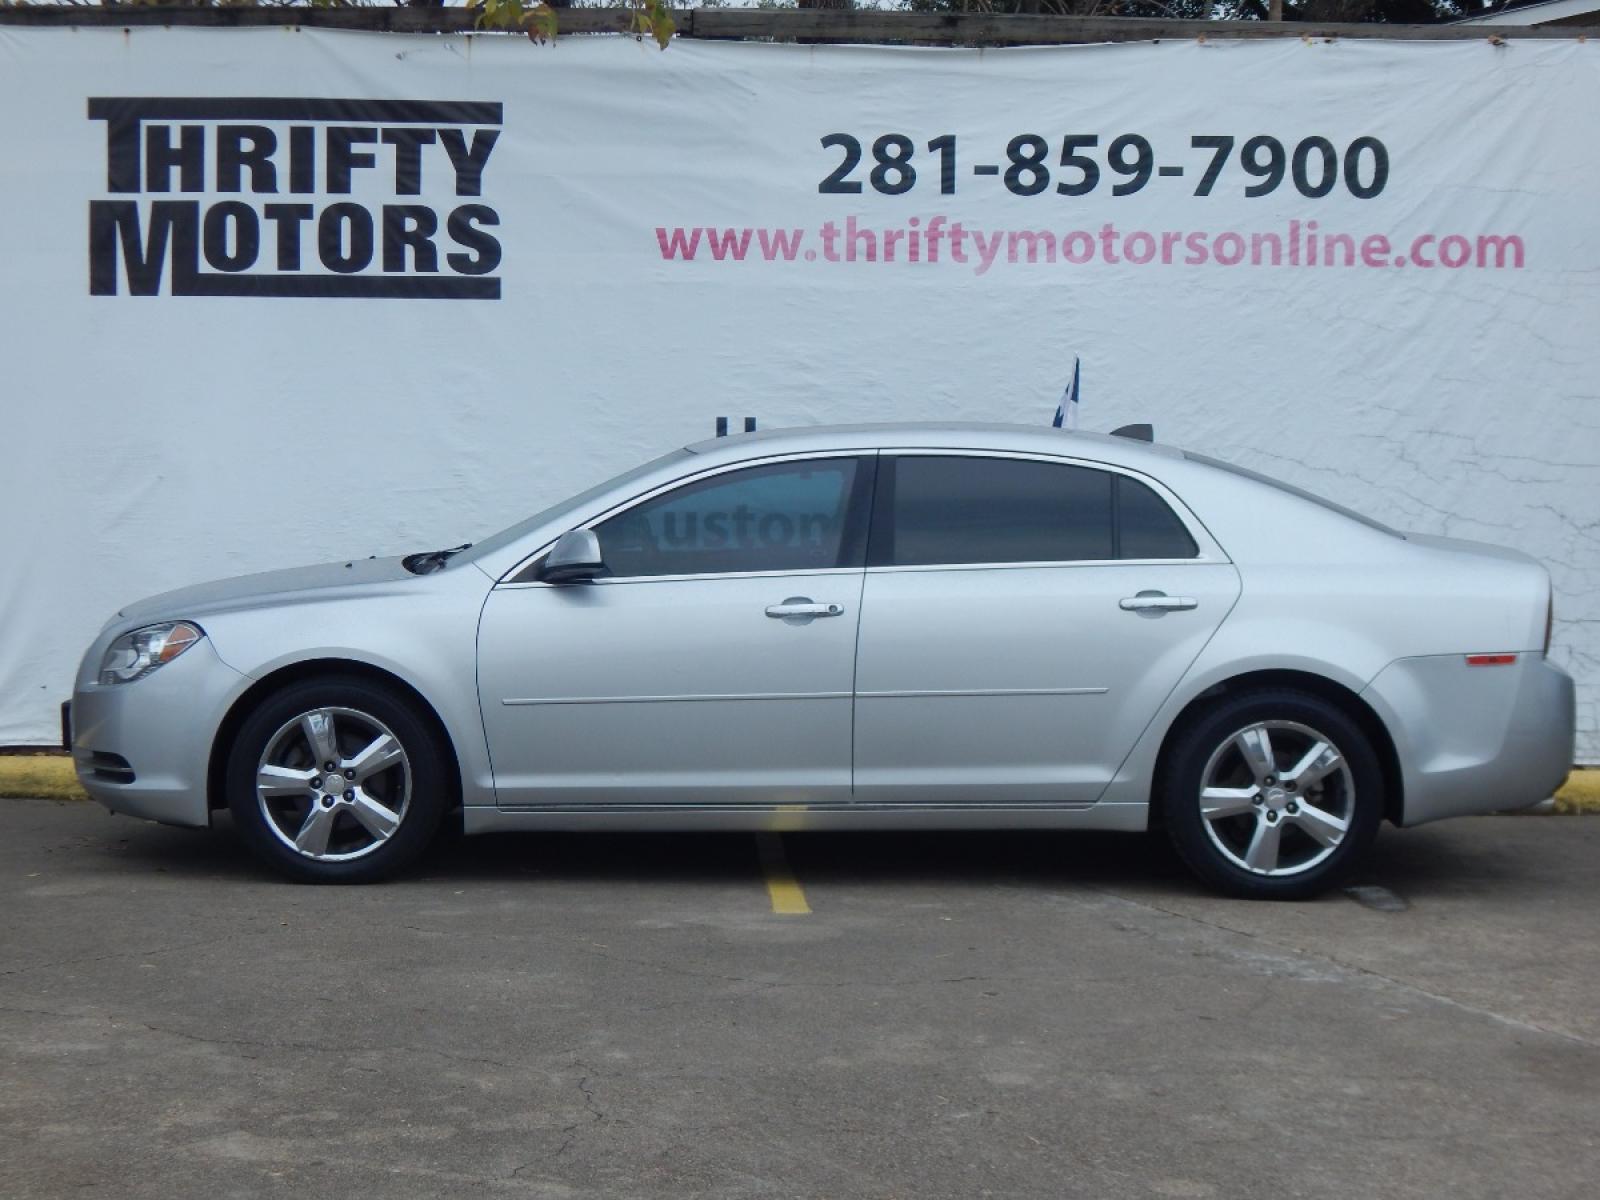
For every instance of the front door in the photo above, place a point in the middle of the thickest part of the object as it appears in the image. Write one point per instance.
(711, 664)
(1022, 620)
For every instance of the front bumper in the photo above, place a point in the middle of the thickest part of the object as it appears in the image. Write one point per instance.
(1476, 739)
(144, 748)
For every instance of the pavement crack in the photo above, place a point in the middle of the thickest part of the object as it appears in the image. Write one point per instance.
(596, 1115)
(1355, 969)
(39, 1012)
(84, 960)
(761, 985)
(588, 1100)
(264, 1043)
(570, 1132)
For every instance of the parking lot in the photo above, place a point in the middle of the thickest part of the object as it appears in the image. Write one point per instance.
(956, 1016)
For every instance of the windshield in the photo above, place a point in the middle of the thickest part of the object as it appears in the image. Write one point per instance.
(522, 529)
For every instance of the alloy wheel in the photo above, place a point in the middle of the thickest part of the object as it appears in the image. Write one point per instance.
(333, 784)
(1277, 798)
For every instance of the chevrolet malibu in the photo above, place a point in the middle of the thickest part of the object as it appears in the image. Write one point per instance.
(873, 627)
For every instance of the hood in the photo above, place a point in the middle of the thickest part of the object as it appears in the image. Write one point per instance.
(290, 586)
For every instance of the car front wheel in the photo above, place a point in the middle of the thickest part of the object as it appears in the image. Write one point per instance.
(1272, 794)
(336, 781)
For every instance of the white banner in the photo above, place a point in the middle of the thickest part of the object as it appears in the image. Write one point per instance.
(276, 297)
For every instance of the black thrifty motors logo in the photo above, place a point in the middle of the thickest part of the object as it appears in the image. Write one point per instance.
(295, 197)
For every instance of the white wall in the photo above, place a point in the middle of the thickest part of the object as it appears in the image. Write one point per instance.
(158, 440)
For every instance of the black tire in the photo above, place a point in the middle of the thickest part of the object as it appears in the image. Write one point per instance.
(1218, 850)
(364, 707)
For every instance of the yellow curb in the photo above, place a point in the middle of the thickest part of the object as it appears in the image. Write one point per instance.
(38, 776)
(1580, 793)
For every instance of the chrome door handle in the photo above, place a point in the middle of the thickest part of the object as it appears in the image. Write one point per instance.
(1158, 602)
(803, 607)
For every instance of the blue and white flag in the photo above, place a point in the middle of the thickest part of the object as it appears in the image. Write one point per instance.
(1067, 410)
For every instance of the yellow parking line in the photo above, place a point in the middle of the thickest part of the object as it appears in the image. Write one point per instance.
(785, 892)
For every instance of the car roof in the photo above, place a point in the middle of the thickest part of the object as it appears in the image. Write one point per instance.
(950, 435)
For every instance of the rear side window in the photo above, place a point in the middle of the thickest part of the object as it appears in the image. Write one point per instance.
(952, 510)
(937, 510)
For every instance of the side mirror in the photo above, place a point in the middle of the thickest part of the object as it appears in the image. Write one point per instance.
(575, 558)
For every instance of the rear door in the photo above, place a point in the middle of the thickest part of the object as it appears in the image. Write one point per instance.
(1022, 620)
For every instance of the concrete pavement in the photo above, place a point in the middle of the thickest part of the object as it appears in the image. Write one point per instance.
(957, 1016)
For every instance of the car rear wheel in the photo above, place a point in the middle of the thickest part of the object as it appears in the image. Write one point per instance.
(337, 780)
(1272, 794)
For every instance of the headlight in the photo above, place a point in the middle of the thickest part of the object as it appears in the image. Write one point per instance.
(134, 655)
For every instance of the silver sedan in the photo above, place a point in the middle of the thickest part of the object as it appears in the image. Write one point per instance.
(873, 627)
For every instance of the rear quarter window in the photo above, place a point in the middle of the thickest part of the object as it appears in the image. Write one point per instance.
(1147, 527)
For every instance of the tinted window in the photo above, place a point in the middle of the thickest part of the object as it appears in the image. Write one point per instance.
(783, 517)
(1147, 527)
(990, 510)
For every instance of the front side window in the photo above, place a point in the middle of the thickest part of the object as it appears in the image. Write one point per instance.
(790, 516)
(952, 510)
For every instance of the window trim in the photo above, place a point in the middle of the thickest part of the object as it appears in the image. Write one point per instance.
(858, 508)
(1206, 548)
